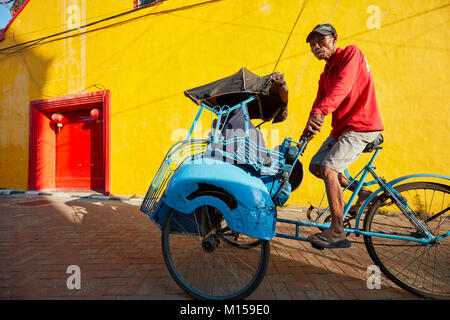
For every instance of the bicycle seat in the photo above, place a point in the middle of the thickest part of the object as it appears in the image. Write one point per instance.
(371, 146)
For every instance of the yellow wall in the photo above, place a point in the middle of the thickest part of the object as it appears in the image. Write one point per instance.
(154, 54)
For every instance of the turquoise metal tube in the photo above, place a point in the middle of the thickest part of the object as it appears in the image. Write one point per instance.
(392, 184)
(195, 121)
(349, 230)
(360, 183)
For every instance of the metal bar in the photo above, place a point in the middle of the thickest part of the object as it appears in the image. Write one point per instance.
(437, 215)
(212, 109)
(303, 223)
(443, 236)
(366, 184)
(352, 230)
(405, 207)
(356, 191)
(259, 125)
(347, 174)
(378, 179)
(352, 180)
(382, 235)
(322, 214)
(215, 137)
(195, 121)
(287, 236)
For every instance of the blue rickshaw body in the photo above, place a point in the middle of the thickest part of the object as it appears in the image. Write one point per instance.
(251, 212)
(231, 171)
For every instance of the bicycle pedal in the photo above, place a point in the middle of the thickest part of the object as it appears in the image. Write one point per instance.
(308, 212)
(316, 246)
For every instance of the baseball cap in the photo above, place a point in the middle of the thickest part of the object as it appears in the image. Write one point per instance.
(323, 29)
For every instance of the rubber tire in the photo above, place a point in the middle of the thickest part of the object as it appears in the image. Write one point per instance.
(252, 286)
(370, 247)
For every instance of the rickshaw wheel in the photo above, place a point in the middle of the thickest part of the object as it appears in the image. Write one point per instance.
(231, 237)
(239, 240)
(205, 265)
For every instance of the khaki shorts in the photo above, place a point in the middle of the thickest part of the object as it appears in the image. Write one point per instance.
(339, 153)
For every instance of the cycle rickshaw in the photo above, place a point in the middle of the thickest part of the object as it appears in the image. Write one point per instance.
(215, 201)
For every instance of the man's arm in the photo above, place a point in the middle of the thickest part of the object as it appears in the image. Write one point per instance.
(315, 120)
(342, 86)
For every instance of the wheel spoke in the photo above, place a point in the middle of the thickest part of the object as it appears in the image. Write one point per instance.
(206, 266)
(420, 269)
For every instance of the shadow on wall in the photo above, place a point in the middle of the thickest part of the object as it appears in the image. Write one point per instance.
(23, 75)
(27, 77)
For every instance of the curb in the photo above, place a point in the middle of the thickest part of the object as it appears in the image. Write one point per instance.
(71, 195)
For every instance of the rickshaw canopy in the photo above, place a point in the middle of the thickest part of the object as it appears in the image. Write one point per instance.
(236, 88)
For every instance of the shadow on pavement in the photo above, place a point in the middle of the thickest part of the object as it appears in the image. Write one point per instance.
(119, 254)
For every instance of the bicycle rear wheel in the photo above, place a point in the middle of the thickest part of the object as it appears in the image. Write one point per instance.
(205, 265)
(423, 270)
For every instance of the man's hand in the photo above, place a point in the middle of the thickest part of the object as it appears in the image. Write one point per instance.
(314, 123)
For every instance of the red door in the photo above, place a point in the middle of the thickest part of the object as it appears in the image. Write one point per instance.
(79, 152)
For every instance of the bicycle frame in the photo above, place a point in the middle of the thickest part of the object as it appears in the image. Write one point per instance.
(384, 187)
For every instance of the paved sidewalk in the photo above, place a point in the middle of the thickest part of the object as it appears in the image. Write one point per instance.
(118, 251)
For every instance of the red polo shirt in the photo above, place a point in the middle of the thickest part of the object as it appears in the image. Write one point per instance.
(346, 90)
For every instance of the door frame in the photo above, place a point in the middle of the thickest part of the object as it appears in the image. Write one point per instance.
(41, 168)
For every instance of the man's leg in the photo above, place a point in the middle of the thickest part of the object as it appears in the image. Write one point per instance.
(316, 170)
(336, 200)
(335, 196)
(341, 153)
(363, 194)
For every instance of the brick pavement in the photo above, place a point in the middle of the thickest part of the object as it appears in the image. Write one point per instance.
(118, 251)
